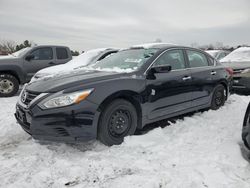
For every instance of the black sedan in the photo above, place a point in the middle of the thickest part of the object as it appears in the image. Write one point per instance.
(122, 93)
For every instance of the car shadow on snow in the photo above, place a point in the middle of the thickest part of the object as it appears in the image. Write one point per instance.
(164, 123)
(244, 93)
(244, 152)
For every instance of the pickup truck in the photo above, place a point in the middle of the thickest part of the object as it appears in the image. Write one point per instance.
(19, 67)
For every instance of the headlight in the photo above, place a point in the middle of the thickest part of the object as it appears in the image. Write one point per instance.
(245, 71)
(67, 99)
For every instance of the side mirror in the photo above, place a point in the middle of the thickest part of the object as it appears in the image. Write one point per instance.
(161, 69)
(29, 57)
(158, 69)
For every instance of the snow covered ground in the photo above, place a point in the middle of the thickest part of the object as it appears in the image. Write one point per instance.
(202, 150)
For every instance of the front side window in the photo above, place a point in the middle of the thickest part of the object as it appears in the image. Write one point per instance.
(43, 54)
(174, 58)
(196, 59)
(125, 60)
(61, 53)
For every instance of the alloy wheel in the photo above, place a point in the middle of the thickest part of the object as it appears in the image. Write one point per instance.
(6, 86)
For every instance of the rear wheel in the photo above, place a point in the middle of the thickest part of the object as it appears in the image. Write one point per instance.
(9, 85)
(219, 97)
(117, 120)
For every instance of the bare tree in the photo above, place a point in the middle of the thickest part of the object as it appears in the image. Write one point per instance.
(8, 46)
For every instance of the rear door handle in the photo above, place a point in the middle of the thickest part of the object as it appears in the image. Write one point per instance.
(213, 73)
(186, 78)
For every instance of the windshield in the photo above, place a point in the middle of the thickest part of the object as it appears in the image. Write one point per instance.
(240, 54)
(213, 53)
(86, 57)
(126, 60)
(21, 52)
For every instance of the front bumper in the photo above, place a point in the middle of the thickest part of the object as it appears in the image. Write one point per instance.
(66, 124)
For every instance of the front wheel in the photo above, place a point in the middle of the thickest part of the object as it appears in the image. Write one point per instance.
(9, 85)
(219, 97)
(117, 120)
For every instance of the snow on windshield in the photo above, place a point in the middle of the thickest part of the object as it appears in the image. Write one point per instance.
(240, 54)
(125, 61)
(86, 57)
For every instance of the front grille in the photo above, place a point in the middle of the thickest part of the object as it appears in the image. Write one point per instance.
(27, 97)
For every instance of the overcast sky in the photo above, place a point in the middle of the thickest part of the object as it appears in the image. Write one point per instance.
(82, 24)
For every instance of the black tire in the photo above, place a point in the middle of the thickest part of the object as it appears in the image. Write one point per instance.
(9, 85)
(117, 120)
(219, 97)
(246, 126)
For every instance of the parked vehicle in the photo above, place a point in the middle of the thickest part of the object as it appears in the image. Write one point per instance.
(218, 54)
(19, 67)
(122, 93)
(239, 61)
(246, 128)
(85, 59)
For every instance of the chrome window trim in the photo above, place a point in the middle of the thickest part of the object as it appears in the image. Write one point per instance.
(188, 68)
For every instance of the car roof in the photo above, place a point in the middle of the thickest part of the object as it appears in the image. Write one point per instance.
(164, 46)
(38, 46)
(154, 45)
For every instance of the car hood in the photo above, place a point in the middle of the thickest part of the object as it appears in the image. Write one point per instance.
(237, 64)
(8, 58)
(73, 79)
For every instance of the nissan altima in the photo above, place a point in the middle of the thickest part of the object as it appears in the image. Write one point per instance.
(122, 93)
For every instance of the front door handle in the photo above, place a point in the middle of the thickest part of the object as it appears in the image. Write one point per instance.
(186, 78)
(213, 73)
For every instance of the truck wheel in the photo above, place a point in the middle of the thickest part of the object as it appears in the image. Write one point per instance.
(219, 97)
(9, 85)
(117, 120)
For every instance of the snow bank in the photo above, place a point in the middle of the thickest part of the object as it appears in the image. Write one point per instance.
(240, 54)
(202, 150)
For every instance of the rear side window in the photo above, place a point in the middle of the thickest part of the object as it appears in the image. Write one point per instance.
(197, 59)
(43, 53)
(223, 54)
(61, 53)
(174, 58)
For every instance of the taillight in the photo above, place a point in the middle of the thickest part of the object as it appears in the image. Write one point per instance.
(230, 71)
